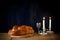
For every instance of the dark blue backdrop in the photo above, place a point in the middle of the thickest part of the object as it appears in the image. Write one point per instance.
(25, 13)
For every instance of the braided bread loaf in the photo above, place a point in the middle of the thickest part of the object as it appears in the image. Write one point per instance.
(20, 30)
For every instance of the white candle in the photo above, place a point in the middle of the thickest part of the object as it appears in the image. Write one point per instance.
(50, 23)
(43, 24)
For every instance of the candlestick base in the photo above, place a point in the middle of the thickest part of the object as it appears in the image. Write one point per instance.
(50, 32)
(43, 33)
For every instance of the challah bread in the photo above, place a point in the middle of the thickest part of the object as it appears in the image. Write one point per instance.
(20, 30)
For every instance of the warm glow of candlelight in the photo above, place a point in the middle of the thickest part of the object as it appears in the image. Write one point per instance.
(49, 17)
(43, 17)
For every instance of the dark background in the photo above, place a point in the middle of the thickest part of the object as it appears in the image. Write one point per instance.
(27, 12)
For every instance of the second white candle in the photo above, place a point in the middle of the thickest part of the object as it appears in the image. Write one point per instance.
(43, 24)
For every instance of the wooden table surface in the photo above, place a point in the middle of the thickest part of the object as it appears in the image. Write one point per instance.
(53, 36)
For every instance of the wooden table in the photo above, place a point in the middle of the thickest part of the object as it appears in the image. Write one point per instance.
(54, 36)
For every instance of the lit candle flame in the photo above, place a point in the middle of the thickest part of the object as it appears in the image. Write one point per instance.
(49, 17)
(43, 17)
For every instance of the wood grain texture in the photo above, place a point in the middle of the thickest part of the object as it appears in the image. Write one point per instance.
(4, 36)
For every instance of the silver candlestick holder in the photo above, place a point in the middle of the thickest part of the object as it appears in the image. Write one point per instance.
(49, 31)
(44, 30)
